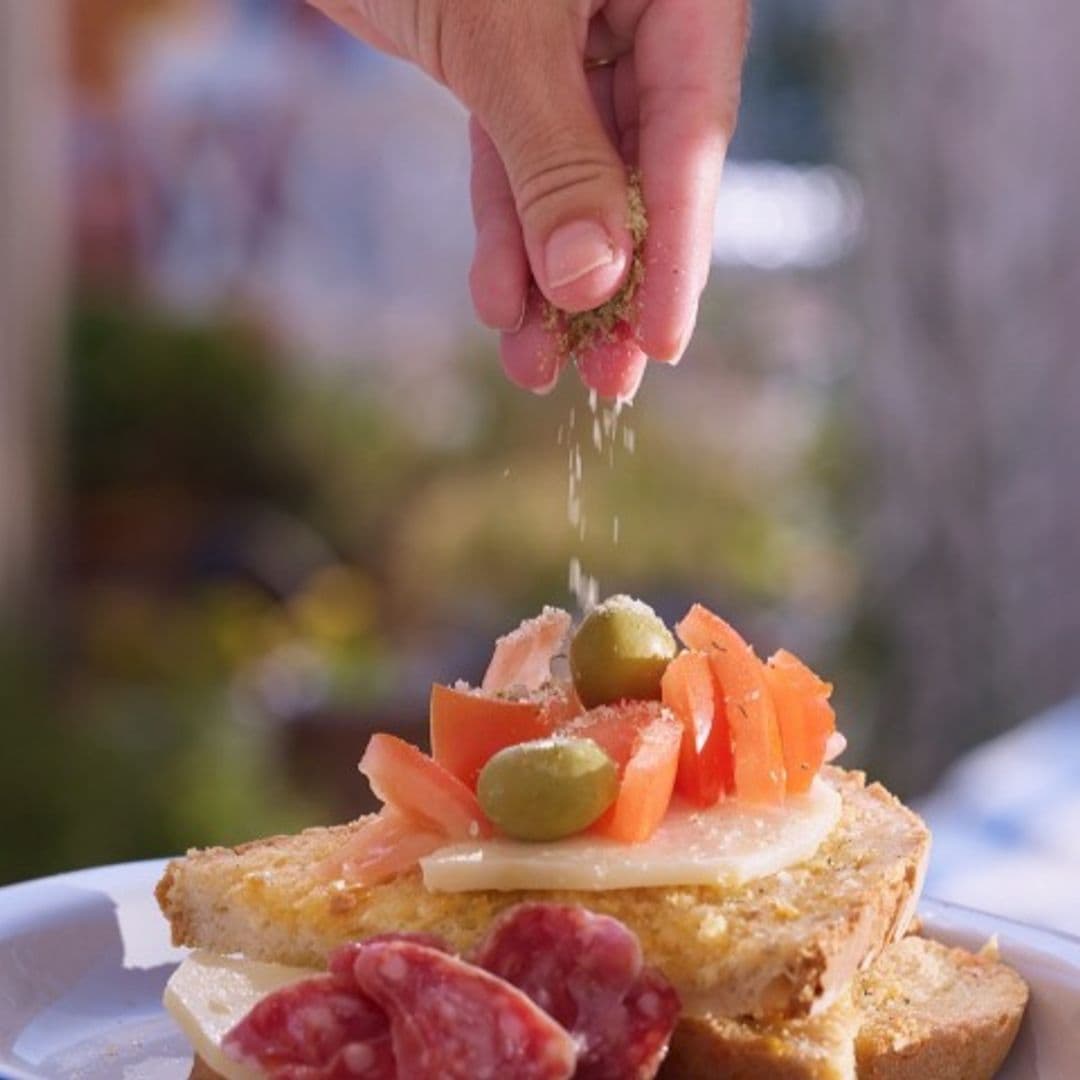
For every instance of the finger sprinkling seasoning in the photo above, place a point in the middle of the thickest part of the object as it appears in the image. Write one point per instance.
(577, 332)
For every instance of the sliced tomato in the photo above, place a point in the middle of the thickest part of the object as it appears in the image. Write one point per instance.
(523, 657)
(384, 845)
(468, 727)
(690, 691)
(758, 756)
(407, 780)
(804, 715)
(643, 739)
(614, 727)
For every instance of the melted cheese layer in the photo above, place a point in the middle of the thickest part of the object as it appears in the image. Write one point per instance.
(727, 845)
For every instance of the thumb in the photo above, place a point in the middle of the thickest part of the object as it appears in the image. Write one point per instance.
(568, 182)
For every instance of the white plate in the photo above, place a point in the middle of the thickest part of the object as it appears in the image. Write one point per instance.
(84, 958)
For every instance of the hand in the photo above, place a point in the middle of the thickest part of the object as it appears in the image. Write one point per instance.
(551, 143)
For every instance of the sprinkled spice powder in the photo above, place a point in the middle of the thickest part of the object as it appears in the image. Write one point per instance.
(608, 421)
(575, 333)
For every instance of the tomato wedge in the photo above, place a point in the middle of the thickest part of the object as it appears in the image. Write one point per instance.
(384, 845)
(805, 717)
(523, 657)
(643, 739)
(755, 735)
(467, 727)
(688, 688)
(410, 782)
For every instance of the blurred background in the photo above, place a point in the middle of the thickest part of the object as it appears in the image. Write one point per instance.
(261, 480)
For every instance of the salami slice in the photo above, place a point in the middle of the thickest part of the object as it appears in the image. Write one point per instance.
(450, 1019)
(323, 1028)
(636, 1045)
(586, 971)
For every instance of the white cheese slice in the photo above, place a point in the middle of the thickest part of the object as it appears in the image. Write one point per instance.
(208, 995)
(727, 844)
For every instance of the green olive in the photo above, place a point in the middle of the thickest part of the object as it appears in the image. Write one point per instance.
(620, 653)
(548, 788)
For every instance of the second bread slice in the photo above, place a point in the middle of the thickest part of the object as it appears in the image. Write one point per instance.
(923, 1011)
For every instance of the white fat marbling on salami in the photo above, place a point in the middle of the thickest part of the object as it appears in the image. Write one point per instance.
(586, 971)
(453, 1020)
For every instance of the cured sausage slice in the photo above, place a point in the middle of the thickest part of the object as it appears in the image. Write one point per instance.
(554, 991)
(586, 971)
(450, 1019)
(637, 1046)
(322, 1028)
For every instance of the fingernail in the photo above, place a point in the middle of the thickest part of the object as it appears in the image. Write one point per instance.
(577, 249)
(684, 341)
(544, 389)
(688, 333)
(632, 387)
(521, 315)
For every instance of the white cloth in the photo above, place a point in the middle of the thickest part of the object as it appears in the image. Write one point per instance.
(1006, 824)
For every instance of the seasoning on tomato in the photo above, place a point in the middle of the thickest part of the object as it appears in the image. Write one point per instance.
(755, 735)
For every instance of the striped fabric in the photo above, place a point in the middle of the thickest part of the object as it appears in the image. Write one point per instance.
(1006, 824)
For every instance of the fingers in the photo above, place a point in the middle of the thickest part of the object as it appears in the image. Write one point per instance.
(614, 368)
(688, 60)
(568, 182)
(532, 357)
(624, 105)
(499, 277)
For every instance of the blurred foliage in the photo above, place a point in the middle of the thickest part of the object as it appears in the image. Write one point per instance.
(156, 729)
(104, 771)
(153, 400)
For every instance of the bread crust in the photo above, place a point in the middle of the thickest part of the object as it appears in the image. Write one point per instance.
(933, 1011)
(706, 1046)
(923, 1011)
(782, 947)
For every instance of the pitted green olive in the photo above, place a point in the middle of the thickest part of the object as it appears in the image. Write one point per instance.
(547, 789)
(619, 653)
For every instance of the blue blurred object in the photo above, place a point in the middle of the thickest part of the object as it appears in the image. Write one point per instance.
(1006, 824)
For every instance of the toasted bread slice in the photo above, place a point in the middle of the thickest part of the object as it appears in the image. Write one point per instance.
(822, 1047)
(923, 1011)
(932, 1011)
(783, 946)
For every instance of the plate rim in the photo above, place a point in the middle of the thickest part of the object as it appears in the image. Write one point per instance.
(104, 870)
(22, 904)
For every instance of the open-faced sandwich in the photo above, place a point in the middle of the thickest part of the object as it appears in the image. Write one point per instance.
(640, 866)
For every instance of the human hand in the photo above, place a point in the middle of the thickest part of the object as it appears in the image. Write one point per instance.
(551, 145)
